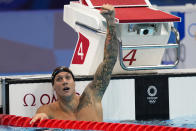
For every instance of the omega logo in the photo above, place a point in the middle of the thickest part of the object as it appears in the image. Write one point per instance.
(44, 99)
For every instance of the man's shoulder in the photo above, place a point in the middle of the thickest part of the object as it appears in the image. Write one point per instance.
(47, 107)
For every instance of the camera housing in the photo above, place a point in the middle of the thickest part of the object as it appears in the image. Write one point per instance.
(146, 31)
(142, 29)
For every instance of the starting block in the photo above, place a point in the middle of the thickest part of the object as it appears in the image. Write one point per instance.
(142, 30)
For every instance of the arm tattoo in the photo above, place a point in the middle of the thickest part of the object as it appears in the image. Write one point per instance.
(95, 90)
(104, 71)
(85, 100)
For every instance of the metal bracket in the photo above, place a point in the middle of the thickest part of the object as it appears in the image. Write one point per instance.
(127, 47)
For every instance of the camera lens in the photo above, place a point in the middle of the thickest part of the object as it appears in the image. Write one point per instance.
(145, 32)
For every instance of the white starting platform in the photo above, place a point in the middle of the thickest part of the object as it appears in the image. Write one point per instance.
(142, 30)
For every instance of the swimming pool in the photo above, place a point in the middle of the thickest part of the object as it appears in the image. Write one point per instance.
(9, 128)
(186, 122)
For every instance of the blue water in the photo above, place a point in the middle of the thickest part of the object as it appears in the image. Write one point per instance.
(187, 122)
(9, 128)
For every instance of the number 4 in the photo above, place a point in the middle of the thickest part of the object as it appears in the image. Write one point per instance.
(80, 51)
(133, 52)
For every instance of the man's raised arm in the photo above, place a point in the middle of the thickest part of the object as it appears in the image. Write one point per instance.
(104, 70)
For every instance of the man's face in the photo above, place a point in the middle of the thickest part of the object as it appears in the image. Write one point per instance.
(64, 84)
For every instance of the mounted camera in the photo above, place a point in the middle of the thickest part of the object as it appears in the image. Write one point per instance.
(142, 29)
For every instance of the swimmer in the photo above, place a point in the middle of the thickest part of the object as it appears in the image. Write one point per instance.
(87, 107)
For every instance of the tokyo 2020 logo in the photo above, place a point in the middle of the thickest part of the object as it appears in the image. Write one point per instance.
(152, 92)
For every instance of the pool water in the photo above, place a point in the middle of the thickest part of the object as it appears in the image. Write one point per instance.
(186, 122)
(9, 128)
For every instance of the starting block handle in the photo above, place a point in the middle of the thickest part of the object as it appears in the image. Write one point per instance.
(176, 45)
(90, 28)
